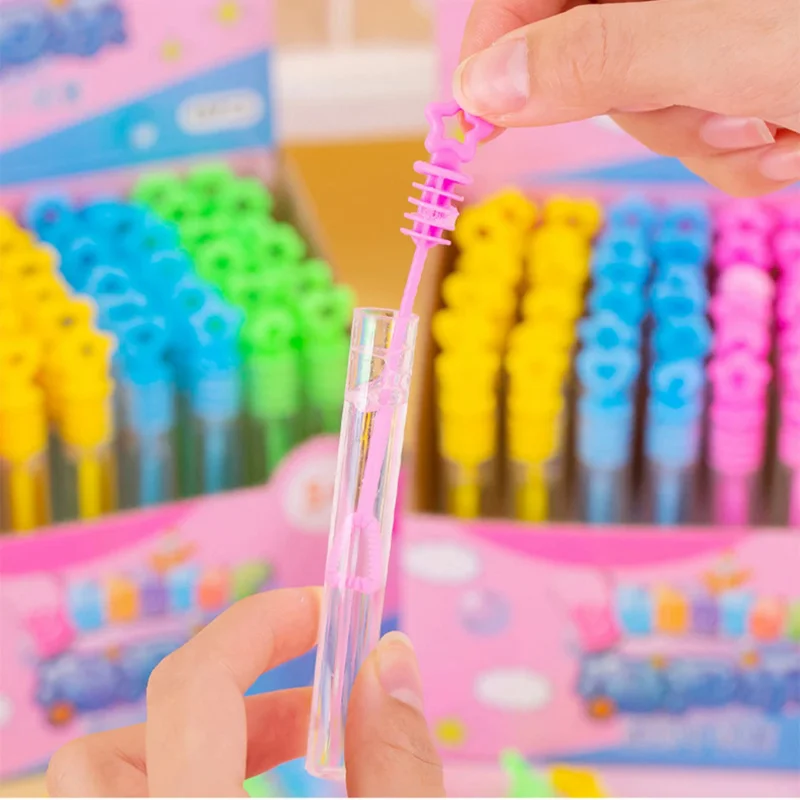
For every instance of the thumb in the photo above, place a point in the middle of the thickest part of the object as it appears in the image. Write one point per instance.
(595, 59)
(388, 749)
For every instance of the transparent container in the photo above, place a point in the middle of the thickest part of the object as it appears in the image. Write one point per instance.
(604, 448)
(24, 494)
(735, 498)
(87, 480)
(672, 475)
(88, 484)
(539, 491)
(468, 491)
(215, 431)
(147, 461)
(368, 471)
(785, 493)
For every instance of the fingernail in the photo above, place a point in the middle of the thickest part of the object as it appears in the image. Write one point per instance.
(735, 133)
(496, 80)
(781, 165)
(397, 670)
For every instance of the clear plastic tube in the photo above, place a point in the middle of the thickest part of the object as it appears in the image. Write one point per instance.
(24, 494)
(785, 496)
(216, 400)
(370, 450)
(147, 458)
(670, 494)
(468, 490)
(539, 491)
(734, 498)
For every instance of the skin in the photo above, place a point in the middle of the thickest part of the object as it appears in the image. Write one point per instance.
(667, 71)
(203, 738)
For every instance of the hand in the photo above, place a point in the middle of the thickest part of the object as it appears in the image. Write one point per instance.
(203, 738)
(715, 83)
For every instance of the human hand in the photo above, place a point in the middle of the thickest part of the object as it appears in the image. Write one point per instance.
(203, 738)
(715, 83)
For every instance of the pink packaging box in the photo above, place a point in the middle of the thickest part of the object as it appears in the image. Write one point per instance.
(92, 90)
(607, 646)
(87, 611)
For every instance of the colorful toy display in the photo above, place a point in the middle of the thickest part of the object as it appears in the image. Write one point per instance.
(607, 419)
(231, 380)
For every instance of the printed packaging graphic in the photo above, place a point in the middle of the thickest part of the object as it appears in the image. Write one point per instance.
(620, 646)
(88, 611)
(98, 85)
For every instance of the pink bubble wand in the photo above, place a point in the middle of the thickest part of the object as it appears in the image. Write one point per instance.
(370, 451)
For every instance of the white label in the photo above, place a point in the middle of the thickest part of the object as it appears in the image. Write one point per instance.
(309, 496)
(220, 111)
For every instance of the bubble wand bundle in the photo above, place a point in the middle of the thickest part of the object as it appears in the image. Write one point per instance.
(370, 449)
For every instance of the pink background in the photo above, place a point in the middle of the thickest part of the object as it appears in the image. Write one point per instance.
(545, 576)
(284, 523)
(192, 27)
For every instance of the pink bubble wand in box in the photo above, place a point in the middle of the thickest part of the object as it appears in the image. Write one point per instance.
(370, 450)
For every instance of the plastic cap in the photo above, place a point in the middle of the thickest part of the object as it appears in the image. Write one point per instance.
(585, 215)
(678, 384)
(108, 282)
(627, 301)
(746, 214)
(218, 260)
(459, 330)
(687, 217)
(312, 275)
(633, 211)
(607, 331)
(611, 259)
(498, 264)
(29, 264)
(116, 312)
(52, 218)
(519, 211)
(163, 270)
(478, 295)
(270, 244)
(552, 305)
(486, 225)
(742, 247)
(23, 422)
(608, 373)
(680, 293)
(246, 197)
(326, 314)
(20, 360)
(81, 257)
(119, 222)
(532, 335)
(210, 180)
(143, 343)
(55, 319)
(254, 292)
(684, 338)
(85, 413)
(739, 379)
(156, 189)
(605, 432)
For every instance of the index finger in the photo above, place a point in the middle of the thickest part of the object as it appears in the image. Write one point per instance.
(196, 740)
